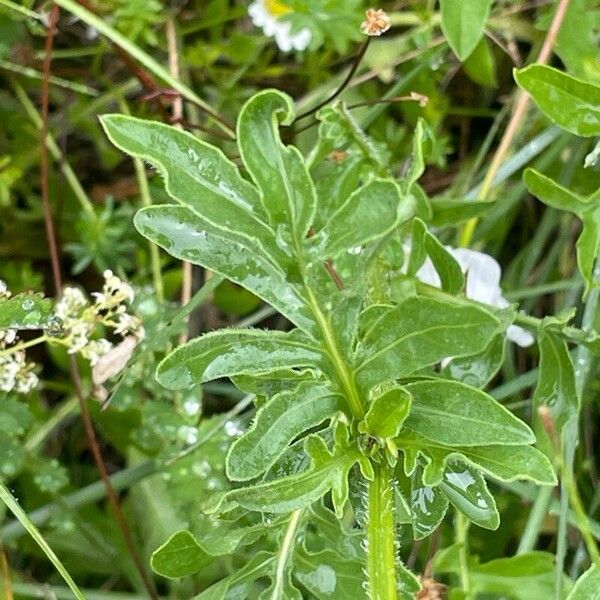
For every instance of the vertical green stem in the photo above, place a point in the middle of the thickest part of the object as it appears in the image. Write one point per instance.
(583, 365)
(462, 529)
(534, 522)
(21, 515)
(381, 536)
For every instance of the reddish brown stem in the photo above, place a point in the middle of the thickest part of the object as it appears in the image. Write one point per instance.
(48, 220)
(57, 276)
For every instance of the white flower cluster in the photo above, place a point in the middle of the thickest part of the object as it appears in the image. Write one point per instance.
(16, 374)
(79, 317)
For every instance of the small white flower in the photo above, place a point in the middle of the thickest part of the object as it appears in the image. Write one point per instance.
(95, 349)
(127, 323)
(16, 374)
(114, 292)
(4, 293)
(71, 303)
(7, 336)
(26, 382)
(266, 14)
(483, 275)
(79, 335)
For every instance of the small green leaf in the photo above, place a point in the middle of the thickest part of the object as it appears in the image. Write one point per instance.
(15, 416)
(455, 414)
(586, 208)
(552, 193)
(400, 341)
(25, 311)
(367, 215)
(463, 23)
(277, 423)
(286, 189)
(235, 352)
(426, 244)
(328, 575)
(452, 211)
(587, 586)
(258, 566)
(521, 577)
(428, 505)
(186, 236)
(571, 103)
(417, 158)
(181, 555)
(328, 472)
(481, 65)
(556, 387)
(386, 414)
(467, 491)
(340, 128)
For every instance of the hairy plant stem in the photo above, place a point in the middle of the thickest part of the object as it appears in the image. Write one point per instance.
(381, 535)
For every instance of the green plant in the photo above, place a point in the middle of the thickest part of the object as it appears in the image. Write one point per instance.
(350, 402)
(392, 374)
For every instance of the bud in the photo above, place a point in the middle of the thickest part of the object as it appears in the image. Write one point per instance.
(376, 22)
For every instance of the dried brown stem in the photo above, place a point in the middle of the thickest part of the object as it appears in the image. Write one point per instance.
(5, 584)
(519, 112)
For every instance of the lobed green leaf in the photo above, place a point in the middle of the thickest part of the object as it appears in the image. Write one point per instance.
(231, 352)
(400, 341)
(183, 234)
(286, 189)
(277, 423)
